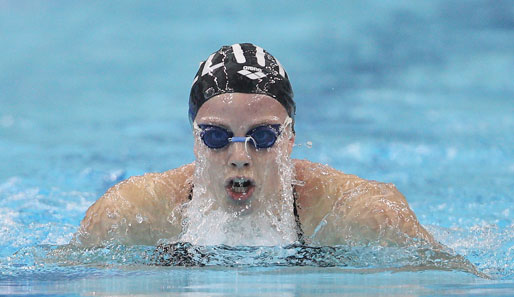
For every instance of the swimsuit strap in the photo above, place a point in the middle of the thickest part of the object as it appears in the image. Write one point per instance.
(190, 195)
(299, 231)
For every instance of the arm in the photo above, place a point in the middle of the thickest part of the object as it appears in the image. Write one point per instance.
(140, 210)
(380, 213)
(338, 208)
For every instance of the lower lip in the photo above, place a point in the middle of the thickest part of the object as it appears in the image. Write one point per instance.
(240, 197)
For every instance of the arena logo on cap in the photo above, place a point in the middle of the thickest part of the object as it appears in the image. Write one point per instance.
(252, 72)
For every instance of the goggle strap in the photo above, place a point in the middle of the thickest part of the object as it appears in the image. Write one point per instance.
(248, 138)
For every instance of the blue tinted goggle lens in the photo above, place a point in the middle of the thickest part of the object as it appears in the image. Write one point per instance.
(262, 137)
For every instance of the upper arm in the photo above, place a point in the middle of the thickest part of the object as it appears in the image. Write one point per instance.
(139, 210)
(340, 208)
(116, 213)
(384, 213)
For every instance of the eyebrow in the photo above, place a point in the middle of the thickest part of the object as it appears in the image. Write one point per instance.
(261, 122)
(213, 121)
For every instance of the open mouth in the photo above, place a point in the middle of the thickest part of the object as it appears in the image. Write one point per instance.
(240, 189)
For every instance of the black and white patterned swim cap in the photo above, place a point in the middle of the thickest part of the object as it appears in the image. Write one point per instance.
(241, 68)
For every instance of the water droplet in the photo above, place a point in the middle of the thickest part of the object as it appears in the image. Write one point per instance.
(111, 214)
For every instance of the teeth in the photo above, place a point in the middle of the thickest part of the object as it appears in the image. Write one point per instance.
(237, 185)
(239, 189)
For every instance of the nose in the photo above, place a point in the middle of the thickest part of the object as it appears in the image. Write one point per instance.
(239, 157)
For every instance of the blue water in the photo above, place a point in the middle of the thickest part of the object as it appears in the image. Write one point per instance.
(418, 94)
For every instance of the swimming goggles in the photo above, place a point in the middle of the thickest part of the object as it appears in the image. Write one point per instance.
(261, 137)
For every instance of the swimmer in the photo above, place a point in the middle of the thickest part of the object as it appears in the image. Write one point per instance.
(243, 188)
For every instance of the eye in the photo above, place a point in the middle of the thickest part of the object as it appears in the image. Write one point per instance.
(214, 137)
(264, 136)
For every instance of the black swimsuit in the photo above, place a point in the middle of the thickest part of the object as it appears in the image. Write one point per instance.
(185, 254)
(299, 231)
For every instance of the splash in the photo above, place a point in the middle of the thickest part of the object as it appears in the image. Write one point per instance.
(370, 258)
(69, 261)
(210, 219)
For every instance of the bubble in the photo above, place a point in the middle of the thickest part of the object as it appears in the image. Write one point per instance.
(111, 214)
(307, 144)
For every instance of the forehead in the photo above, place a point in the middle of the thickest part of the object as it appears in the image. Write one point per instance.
(240, 107)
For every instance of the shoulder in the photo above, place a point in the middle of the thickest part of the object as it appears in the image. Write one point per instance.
(319, 189)
(134, 206)
(323, 180)
(177, 181)
(350, 206)
(172, 184)
(316, 181)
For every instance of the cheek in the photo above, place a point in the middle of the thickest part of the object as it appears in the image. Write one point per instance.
(212, 162)
(273, 163)
(266, 167)
(277, 154)
(215, 162)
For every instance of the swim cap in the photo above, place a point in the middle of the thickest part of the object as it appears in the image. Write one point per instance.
(241, 68)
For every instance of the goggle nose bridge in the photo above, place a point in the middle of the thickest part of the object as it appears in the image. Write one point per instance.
(240, 139)
(244, 139)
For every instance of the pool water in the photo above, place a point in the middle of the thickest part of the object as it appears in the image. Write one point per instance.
(416, 94)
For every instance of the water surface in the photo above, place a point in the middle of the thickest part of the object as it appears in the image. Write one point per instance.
(419, 95)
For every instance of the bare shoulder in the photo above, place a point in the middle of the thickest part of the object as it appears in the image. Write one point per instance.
(320, 186)
(132, 208)
(339, 208)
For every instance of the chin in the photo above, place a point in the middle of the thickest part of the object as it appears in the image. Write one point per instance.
(240, 208)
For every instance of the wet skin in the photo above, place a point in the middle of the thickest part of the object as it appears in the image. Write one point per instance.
(239, 113)
(350, 209)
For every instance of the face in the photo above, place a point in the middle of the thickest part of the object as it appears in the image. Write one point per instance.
(238, 176)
